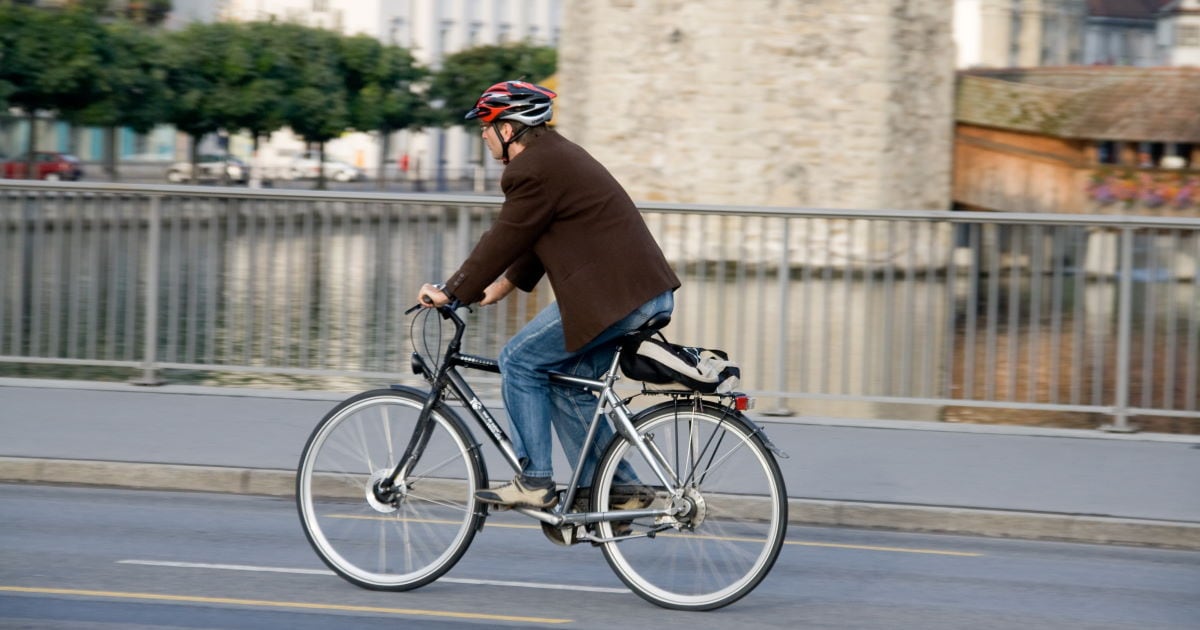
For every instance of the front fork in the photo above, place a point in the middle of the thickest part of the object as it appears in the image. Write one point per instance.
(387, 488)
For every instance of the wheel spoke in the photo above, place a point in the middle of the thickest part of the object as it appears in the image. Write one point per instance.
(376, 543)
(731, 528)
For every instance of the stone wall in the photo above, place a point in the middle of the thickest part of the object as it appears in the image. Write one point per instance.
(820, 103)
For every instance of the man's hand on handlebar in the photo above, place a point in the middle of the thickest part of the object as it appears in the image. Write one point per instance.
(432, 295)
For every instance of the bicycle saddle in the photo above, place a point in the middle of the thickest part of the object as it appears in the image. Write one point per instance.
(652, 325)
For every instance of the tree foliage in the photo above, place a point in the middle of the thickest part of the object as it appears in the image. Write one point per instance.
(99, 63)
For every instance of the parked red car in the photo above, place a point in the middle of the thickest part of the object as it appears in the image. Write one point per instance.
(49, 165)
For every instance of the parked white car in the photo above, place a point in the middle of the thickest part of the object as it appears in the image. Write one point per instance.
(210, 168)
(306, 168)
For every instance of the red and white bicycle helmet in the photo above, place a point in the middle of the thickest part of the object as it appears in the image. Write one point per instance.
(518, 101)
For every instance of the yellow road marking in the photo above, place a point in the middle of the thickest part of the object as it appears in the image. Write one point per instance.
(195, 599)
(801, 543)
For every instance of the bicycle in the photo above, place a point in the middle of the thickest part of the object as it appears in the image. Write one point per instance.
(687, 502)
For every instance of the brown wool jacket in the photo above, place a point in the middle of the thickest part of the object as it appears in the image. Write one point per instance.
(566, 217)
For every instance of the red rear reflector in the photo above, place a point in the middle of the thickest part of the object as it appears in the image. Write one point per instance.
(741, 402)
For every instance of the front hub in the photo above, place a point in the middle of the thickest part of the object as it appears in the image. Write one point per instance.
(384, 500)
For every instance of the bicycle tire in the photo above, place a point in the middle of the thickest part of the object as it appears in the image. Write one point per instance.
(729, 541)
(384, 546)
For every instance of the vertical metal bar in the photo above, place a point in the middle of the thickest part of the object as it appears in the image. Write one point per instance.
(1078, 320)
(271, 292)
(848, 275)
(806, 302)
(827, 312)
(75, 278)
(214, 255)
(946, 388)
(37, 284)
(96, 279)
(113, 258)
(889, 328)
(346, 236)
(6, 261)
(908, 313)
(309, 248)
(150, 307)
(1170, 314)
(720, 276)
(232, 237)
(175, 264)
(25, 279)
(783, 339)
(975, 241)
(1014, 312)
(1191, 381)
(1037, 245)
(57, 280)
(1101, 336)
(195, 267)
(1149, 306)
(928, 383)
(761, 287)
(869, 353)
(1057, 253)
(701, 282)
(993, 315)
(1124, 332)
(740, 329)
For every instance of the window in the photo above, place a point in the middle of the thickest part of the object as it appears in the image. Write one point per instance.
(1107, 152)
(1188, 35)
(320, 5)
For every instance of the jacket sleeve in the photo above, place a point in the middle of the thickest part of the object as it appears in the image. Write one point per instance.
(523, 218)
(526, 272)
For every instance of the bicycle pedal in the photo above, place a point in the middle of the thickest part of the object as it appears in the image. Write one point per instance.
(562, 536)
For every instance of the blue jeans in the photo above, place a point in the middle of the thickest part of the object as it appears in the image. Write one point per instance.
(534, 405)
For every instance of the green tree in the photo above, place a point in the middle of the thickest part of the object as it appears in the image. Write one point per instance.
(380, 90)
(317, 108)
(205, 63)
(50, 63)
(130, 88)
(263, 75)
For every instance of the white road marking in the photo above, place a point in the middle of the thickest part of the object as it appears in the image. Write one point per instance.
(295, 571)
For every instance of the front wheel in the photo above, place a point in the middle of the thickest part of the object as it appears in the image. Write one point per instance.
(392, 541)
(731, 516)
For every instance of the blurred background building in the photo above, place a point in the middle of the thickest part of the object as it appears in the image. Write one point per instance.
(817, 103)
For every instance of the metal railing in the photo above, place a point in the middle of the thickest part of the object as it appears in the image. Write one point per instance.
(964, 316)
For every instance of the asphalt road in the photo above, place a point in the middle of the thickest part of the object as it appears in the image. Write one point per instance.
(98, 558)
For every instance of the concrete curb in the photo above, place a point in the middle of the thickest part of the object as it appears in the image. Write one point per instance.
(912, 518)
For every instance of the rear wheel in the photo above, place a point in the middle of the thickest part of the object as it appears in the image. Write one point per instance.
(732, 514)
(382, 541)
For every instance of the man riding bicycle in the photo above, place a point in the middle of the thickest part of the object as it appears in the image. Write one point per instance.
(564, 216)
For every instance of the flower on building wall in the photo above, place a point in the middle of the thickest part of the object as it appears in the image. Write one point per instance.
(1147, 189)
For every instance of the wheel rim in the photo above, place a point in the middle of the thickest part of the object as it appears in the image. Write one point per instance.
(383, 545)
(728, 539)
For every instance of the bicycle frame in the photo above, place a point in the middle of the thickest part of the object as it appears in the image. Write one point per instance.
(609, 405)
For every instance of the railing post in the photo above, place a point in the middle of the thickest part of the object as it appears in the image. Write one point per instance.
(782, 344)
(150, 351)
(1121, 422)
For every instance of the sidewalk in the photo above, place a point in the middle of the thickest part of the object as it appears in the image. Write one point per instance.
(917, 476)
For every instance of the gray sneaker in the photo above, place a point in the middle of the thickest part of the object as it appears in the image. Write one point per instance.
(517, 494)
